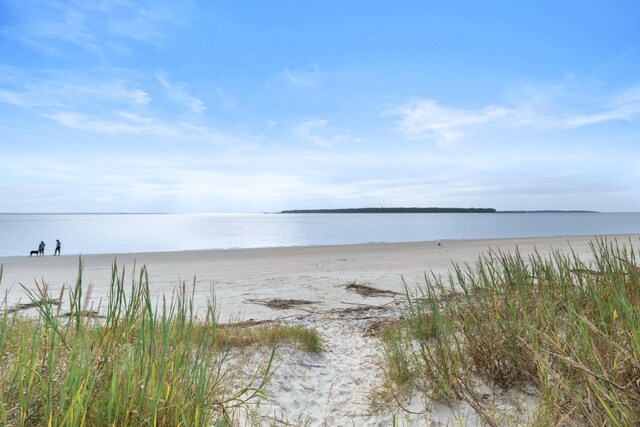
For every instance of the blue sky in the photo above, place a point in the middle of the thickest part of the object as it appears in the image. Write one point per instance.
(253, 106)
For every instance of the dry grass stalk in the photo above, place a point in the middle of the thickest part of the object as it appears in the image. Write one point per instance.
(138, 365)
(549, 325)
(369, 291)
(280, 304)
(26, 306)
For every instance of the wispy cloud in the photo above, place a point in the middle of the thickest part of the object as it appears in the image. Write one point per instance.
(115, 107)
(301, 78)
(224, 101)
(625, 106)
(308, 131)
(121, 123)
(179, 93)
(95, 26)
(127, 123)
(68, 23)
(18, 99)
(426, 119)
(52, 93)
(317, 132)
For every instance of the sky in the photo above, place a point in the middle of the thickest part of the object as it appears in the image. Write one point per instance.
(260, 106)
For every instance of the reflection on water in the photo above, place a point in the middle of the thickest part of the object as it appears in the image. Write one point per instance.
(107, 233)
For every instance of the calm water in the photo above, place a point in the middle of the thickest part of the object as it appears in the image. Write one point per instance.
(86, 234)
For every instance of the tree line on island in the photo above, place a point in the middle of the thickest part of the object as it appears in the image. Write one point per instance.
(421, 210)
(393, 210)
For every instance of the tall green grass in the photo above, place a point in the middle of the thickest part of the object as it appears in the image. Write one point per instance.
(567, 330)
(144, 363)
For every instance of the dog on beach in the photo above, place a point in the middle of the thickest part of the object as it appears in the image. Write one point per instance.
(36, 253)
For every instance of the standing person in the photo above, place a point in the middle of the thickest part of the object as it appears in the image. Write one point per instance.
(57, 251)
(41, 248)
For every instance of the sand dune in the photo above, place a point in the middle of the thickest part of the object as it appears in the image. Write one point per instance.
(328, 388)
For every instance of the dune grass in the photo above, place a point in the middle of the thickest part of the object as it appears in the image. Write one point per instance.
(142, 363)
(272, 335)
(565, 333)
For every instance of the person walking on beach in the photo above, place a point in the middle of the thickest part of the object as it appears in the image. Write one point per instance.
(57, 251)
(41, 248)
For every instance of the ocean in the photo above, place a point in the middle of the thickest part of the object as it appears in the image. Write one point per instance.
(117, 233)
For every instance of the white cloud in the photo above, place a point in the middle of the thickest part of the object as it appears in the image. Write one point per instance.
(178, 92)
(628, 97)
(225, 101)
(98, 27)
(318, 132)
(138, 27)
(426, 119)
(220, 178)
(45, 93)
(300, 78)
(123, 123)
(117, 91)
(17, 99)
(127, 123)
(309, 131)
(625, 106)
(149, 21)
(71, 27)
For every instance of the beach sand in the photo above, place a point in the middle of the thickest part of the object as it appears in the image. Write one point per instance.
(326, 389)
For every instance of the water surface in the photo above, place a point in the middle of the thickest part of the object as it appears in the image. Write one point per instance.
(114, 233)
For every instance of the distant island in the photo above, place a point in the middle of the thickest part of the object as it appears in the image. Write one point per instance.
(549, 211)
(420, 210)
(393, 210)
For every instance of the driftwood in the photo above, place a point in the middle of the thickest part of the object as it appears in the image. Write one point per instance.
(280, 304)
(246, 324)
(85, 313)
(374, 328)
(369, 291)
(27, 306)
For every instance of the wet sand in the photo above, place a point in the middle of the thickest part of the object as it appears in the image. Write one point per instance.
(313, 273)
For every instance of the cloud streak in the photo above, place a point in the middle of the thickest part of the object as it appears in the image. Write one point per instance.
(301, 78)
(178, 92)
(52, 93)
(309, 131)
(115, 107)
(626, 106)
(426, 119)
(317, 132)
(96, 27)
(127, 123)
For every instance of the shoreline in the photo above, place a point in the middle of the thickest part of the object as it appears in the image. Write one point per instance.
(313, 273)
(330, 388)
(3, 258)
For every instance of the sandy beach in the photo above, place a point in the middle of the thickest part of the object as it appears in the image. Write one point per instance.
(313, 273)
(325, 389)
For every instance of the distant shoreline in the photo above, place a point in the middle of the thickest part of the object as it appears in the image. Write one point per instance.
(549, 211)
(393, 210)
(420, 210)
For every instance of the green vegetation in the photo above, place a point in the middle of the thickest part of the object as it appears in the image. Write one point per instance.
(421, 210)
(271, 336)
(140, 364)
(393, 210)
(561, 331)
